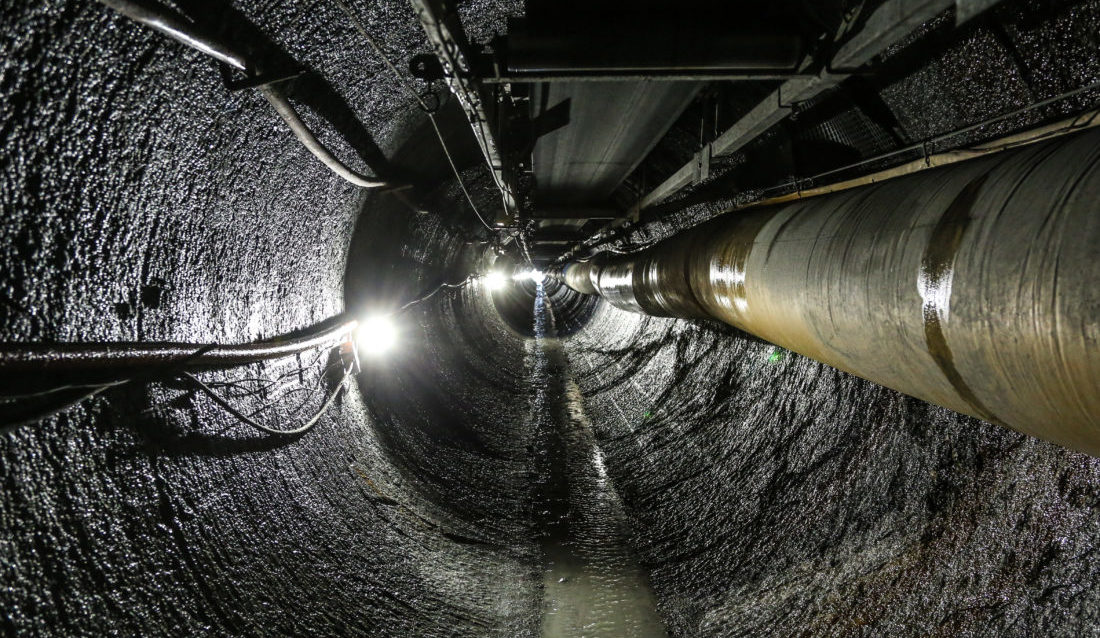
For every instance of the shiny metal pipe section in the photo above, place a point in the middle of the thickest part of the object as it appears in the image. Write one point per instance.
(578, 276)
(975, 287)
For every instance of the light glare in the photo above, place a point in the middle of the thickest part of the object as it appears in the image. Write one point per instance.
(376, 336)
(494, 280)
(535, 276)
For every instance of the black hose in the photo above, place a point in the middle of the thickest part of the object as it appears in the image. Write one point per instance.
(56, 401)
(68, 357)
(305, 427)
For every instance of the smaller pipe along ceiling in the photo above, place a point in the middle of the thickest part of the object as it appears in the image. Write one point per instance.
(550, 318)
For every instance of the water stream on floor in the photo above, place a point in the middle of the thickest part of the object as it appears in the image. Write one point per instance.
(592, 583)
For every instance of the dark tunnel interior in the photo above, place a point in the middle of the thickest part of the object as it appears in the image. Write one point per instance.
(496, 453)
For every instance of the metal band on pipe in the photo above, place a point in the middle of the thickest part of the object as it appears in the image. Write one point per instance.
(974, 286)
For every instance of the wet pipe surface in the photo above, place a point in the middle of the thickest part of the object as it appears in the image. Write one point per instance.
(970, 286)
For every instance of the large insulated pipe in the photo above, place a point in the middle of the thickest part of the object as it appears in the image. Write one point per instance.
(975, 286)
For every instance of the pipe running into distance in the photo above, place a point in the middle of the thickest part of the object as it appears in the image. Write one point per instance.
(975, 286)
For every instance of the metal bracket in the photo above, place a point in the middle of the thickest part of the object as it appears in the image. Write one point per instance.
(455, 57)
(349, 355)
(255, 81)
(702, 165)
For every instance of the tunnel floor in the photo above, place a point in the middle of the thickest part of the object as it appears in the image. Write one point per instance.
(591, 580)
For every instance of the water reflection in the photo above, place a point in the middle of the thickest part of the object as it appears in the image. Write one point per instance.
(592, 583)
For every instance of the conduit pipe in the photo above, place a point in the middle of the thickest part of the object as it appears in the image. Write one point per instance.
(1088, 119)
(974, 286)
(179, 28)
(31, 358)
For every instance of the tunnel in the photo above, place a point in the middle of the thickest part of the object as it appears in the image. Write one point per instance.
(550, 318)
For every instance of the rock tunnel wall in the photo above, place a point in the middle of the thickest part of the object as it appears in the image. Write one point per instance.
(142, 200)
(764, 493)
(770, 493)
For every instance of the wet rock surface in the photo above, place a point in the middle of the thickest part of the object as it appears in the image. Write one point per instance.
(768, 493)
(127, 166)
(761, 493)
(591, 581)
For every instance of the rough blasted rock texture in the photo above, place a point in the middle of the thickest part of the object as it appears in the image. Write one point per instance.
(772, 495)
(142, 200)
(768, 495)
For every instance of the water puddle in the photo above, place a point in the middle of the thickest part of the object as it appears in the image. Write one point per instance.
(592, 583)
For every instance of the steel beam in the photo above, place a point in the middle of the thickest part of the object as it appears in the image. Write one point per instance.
(889, 24)
(564, 214)
(449, 44)
(630, 47)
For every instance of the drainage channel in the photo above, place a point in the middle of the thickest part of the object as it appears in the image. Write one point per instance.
(592, 583)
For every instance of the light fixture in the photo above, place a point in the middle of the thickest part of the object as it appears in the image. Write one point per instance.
(376, 335)
(534, 275)
(494, 280)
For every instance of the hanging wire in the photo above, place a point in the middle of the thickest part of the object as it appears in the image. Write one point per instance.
(123, 363)
(432, 293)
(246, 419)
(60, 399)
(250, 386)
(208, 388)
(430, 111)
(483, 143)
(27, 407)
(522, 237)
(1081, 121)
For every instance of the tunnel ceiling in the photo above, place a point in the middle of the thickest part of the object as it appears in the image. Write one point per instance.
(524, 460)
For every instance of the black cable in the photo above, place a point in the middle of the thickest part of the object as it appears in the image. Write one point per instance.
(1081, 121)
(263, 384)
(163, 360)
(305, 427)
(267, 406)
(15, 416)
(431, 294)
(39, 358)
(482, 142)
(62, 388)
(454, 168)
(523, 245)
(968, 129)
